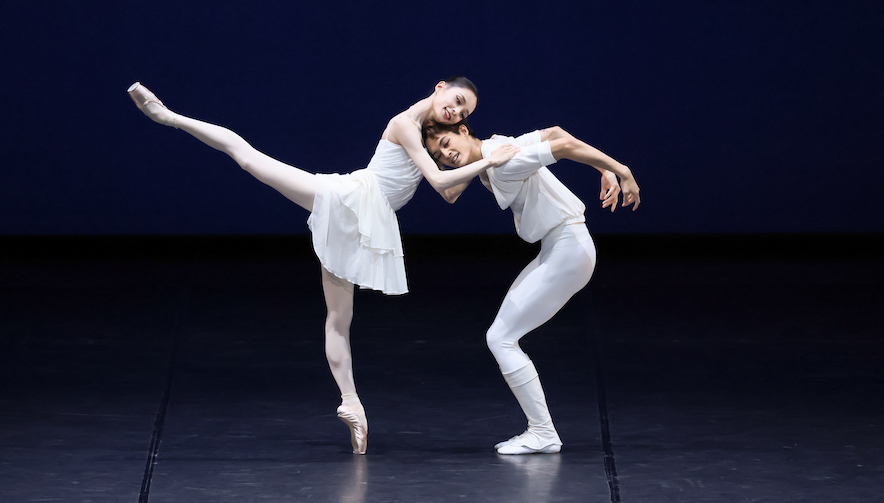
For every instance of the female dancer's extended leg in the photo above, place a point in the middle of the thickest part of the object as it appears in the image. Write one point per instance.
(300, 187)
(296, 184)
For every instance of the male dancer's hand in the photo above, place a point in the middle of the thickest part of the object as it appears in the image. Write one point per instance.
(630, 191)
(610, 190)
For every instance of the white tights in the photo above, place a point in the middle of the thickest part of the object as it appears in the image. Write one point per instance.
(563, 267)
(296, 184)
(300, 187)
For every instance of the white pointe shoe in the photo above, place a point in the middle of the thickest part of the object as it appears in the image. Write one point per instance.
(358, 425)
(152, 107)
(531, 442)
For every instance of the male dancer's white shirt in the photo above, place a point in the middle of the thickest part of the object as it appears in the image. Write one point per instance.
(540, 202)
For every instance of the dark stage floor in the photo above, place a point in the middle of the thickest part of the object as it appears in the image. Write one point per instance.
(691, 369)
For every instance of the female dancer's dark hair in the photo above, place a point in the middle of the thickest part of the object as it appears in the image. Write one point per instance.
(461, 81)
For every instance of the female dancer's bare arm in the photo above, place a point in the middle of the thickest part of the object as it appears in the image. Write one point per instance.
(449, 184)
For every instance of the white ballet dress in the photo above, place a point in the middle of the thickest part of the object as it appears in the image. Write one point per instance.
(354, 225)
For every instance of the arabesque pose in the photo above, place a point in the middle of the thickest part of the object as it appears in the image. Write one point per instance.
(352, 216)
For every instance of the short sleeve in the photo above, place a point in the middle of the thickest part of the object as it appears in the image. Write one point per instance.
(529, 138)
(530, 158)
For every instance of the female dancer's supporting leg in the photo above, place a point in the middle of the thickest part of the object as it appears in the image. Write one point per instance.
(339, 302)
(564, 267)
(298, 186)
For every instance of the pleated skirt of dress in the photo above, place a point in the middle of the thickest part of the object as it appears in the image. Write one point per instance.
(356, 232)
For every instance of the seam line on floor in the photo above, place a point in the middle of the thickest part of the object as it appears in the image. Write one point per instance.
(604, 426)
(159, 424)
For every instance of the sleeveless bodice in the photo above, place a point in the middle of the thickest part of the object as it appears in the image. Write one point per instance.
(396, 174)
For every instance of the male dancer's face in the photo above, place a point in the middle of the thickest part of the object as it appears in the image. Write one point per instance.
(452, 150)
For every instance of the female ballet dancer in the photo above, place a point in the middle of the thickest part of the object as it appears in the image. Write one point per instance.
(352, 216)
(543, 209)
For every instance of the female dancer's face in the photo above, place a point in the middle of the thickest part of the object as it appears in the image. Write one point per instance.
(452, 104)
(450, 149)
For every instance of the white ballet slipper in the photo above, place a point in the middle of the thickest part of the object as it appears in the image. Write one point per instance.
(506, 442)
(358, 425)
(152, 107)
(532, 442)
(541, 435)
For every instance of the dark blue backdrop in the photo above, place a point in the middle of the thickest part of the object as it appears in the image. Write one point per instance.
(735, 116)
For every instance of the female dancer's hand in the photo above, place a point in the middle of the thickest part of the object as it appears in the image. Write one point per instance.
(503, 154)
(610, 190)
(630, 191)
